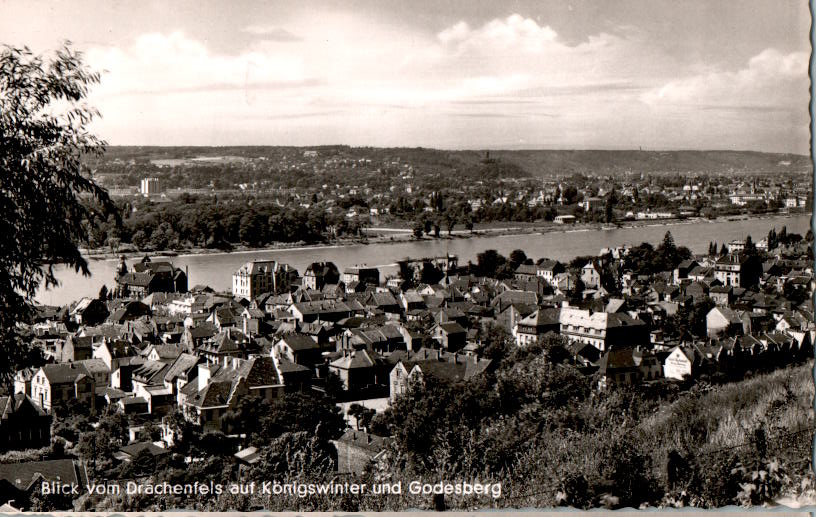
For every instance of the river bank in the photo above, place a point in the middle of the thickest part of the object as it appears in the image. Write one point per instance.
(215, 268)
(399, 235)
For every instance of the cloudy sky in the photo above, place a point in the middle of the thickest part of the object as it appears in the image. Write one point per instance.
(452, 74)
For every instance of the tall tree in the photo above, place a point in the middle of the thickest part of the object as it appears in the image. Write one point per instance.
(750, 247)
(43, 138)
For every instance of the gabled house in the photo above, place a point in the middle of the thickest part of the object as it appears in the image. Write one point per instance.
(549, 269)
(299, 349)
(217, 388)
(450, 367)
(318, 274)
(617, 366)
(23, 424)
(225, 345)
(26, 478)
(529, 329)
(591, 275)
(451, 336)
(682, 362)
(321, 310)
(526, 272)
(53, 384)
(723, 321)
(359, 369)
(89, 311)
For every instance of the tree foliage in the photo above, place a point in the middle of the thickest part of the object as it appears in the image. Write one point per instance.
(43, 137)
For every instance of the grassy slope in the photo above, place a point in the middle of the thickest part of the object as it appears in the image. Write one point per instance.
(781, 402)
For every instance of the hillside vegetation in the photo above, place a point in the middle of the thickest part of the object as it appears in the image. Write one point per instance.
(504, 163)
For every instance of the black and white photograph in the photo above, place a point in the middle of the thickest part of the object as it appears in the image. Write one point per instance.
(388, 256)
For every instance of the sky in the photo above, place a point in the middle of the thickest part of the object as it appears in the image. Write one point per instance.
(456, 74)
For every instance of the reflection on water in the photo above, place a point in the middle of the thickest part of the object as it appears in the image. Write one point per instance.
(216, 270)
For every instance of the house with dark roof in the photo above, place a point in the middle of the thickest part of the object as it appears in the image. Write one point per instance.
(148, 383)
(723, 321)
(617, 366)
(738, 270)
(228, 343)
(75, 348)
(359, 369)
(384, 301)
(322, 310)
(128, 310)
(549, 269)
(450, 335)
(444, 366)
(89, 311)
(318, 274)
(218, 387)
(529, 329)
(23, 424)
(299, 349)
(148, 277)
(602, 329)
(56, 383)
(129, 452)
(26, 478)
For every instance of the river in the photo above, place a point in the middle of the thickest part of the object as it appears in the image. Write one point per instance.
(216, 270)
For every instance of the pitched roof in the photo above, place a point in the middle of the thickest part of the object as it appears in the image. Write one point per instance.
(356, 359)
(322, 306)
(261, 371)
(541, 317)
(617, 359)
(216, 393)
(151, 372)
(23, 475)
(513, 297)
(451, 367)
(183, 364)
(451, 327)
(526, 269)
(298, 342)
(134, 449)
(64, 373)
(16, 403)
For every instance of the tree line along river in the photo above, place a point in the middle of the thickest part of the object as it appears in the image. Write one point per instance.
(216, 269)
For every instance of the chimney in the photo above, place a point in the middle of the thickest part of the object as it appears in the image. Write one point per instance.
(203, 376)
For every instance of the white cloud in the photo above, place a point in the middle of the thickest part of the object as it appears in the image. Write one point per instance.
(512, 33)
(346, 79)
(175, 63)
(770, 80)
(271, 33)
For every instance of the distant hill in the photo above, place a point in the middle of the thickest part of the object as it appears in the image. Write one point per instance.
(508, 163)
(552, 162)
